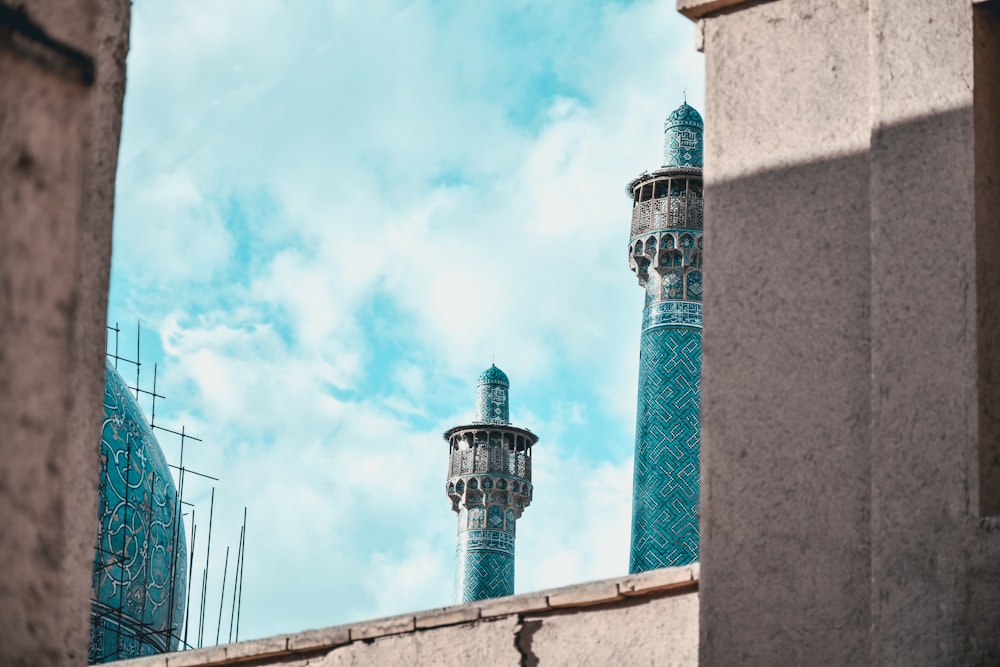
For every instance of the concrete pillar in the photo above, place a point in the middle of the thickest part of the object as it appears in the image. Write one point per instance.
(847, 369)
(60, 114)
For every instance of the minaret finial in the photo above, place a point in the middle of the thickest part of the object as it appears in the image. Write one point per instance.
(685, 95)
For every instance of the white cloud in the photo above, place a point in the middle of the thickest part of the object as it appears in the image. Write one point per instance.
(333, 215)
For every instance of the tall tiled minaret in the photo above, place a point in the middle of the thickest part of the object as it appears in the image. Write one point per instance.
(665, 252)
(489, 484)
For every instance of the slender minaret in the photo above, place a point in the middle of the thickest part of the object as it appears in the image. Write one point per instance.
(665, 252)
(489, 484)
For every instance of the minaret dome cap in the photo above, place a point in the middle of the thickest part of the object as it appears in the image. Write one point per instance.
(682, 138)
(494, 375)
(685, 114)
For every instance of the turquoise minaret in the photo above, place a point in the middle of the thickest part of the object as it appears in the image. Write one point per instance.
(665, 252)
(489, 485)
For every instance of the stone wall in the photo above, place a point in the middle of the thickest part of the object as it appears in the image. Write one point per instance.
(63, 68)
(643, 619)
(849, 373)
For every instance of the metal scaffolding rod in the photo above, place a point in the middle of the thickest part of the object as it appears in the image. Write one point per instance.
(222, 597)
(236, 575)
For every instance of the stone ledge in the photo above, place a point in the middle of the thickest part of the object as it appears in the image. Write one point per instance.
(585, 595)
(200, 656)
(256, 649)
(657, 581)
(653, 584)
(392, 625)
(696, 9)
(447, 616)
(513, 604)
(318, 640)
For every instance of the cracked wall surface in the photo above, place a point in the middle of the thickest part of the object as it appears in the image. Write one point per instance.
(644, 619)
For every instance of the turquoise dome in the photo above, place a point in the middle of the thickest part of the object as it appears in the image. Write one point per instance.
(685, 114)
(491, 397)
(140, 564)
(494, 375)
(682, 138)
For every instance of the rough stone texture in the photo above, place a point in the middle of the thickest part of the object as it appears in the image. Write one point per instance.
(648, 618)
(260, 647)
(631, 634)
(58, 151)
(659, 580)
(929, 555)
(849, 400)
(986, 87)
(201, 656)
(785, 483)
(483, 643)
(319, 639)
(584, 594)
(381, 627)
(514, 604)
(446, 616)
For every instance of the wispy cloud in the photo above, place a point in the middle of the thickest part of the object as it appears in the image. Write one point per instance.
(333, 215)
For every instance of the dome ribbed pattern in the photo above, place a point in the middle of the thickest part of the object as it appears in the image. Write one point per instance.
(494, 375)
(682, 138)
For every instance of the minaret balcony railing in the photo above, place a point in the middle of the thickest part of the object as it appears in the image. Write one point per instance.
(685, 211)
(482, 456)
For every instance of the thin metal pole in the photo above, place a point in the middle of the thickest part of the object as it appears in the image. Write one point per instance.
(201, 611)
(152, 417)
(222, 597)
(239, 601)
(121, 567)
(138, 332)
(236, 579)
(174, 552)
(190, 573)
(208, 554)
(147, 559)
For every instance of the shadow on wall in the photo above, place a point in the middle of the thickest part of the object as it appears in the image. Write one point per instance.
(851, 442)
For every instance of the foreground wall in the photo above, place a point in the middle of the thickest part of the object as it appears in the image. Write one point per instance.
(62, 67)
(850, 444)
(643, 619)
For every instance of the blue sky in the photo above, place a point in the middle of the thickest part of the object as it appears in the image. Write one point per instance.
(331, 217)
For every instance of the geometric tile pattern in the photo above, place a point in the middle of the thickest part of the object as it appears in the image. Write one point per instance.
(489, 486)
(672, 313)
(682, 132)
(667, 443)
(483, 574)
(491, 397)
(665, 253)
(140, 562)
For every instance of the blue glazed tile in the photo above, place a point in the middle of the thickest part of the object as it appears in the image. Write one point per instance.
(489, 487)
(682, 138)
(138, 584)
(667, 443)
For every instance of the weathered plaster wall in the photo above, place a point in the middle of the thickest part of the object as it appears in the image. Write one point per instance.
(848, 335)
(58, 150)
(786, 347)
(644, 619)
(935, 570)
